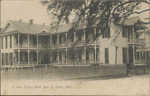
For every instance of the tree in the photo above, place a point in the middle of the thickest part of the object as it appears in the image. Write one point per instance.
(89, 13)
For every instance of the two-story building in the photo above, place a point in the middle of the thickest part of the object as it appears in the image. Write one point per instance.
(28, 44)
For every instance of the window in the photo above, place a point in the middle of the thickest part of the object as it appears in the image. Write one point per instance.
(106, 34)
(130, 34)
(124, 55)
(124, 31)
(106, 55)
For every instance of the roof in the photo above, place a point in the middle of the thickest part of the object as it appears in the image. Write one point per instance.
(23, 27)
(27, 28)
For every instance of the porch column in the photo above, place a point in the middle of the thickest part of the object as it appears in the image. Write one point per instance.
(66, 38)
(84, 49)
(58, 40)
(18, 40)
(140, 53)
(95, 43)
(51, 56)
(8, 58)
(145, 47)
(28, 41)
(12, 37)
(66, 48)
(18, 57)
(28, 57)
(142, 56)
(37, 57)
(84, 36)
(50, 40)
(4, 59)
(31, 56)
(95, 54)
(13, 59)
(75, 36)
(37, 41)
(66, 56)
(127, 46)
(133, 46)
(58, 56)
(1, 43)
(18, 49)
(1, 58)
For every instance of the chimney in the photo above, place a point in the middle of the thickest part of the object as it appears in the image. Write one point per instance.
(31, 21)
(20, 20)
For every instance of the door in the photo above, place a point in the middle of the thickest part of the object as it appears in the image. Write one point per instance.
(130, 55)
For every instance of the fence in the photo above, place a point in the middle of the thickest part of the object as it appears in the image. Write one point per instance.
(51, 73)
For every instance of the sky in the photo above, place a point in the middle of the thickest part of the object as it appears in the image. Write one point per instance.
(32, 9)
(24, 10)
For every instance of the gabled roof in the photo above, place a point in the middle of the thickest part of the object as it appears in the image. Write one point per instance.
(28, 28)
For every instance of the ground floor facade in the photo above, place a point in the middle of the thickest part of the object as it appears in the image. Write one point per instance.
(86, 56)
(20, 57)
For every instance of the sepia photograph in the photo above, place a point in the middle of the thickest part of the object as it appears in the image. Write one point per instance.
(75, 47)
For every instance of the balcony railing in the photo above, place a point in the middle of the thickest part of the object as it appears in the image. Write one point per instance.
(139, 41)
(25, 46)
(26, 62)
(55, 46)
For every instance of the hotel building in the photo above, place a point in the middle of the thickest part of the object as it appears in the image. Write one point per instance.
(29, 44)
